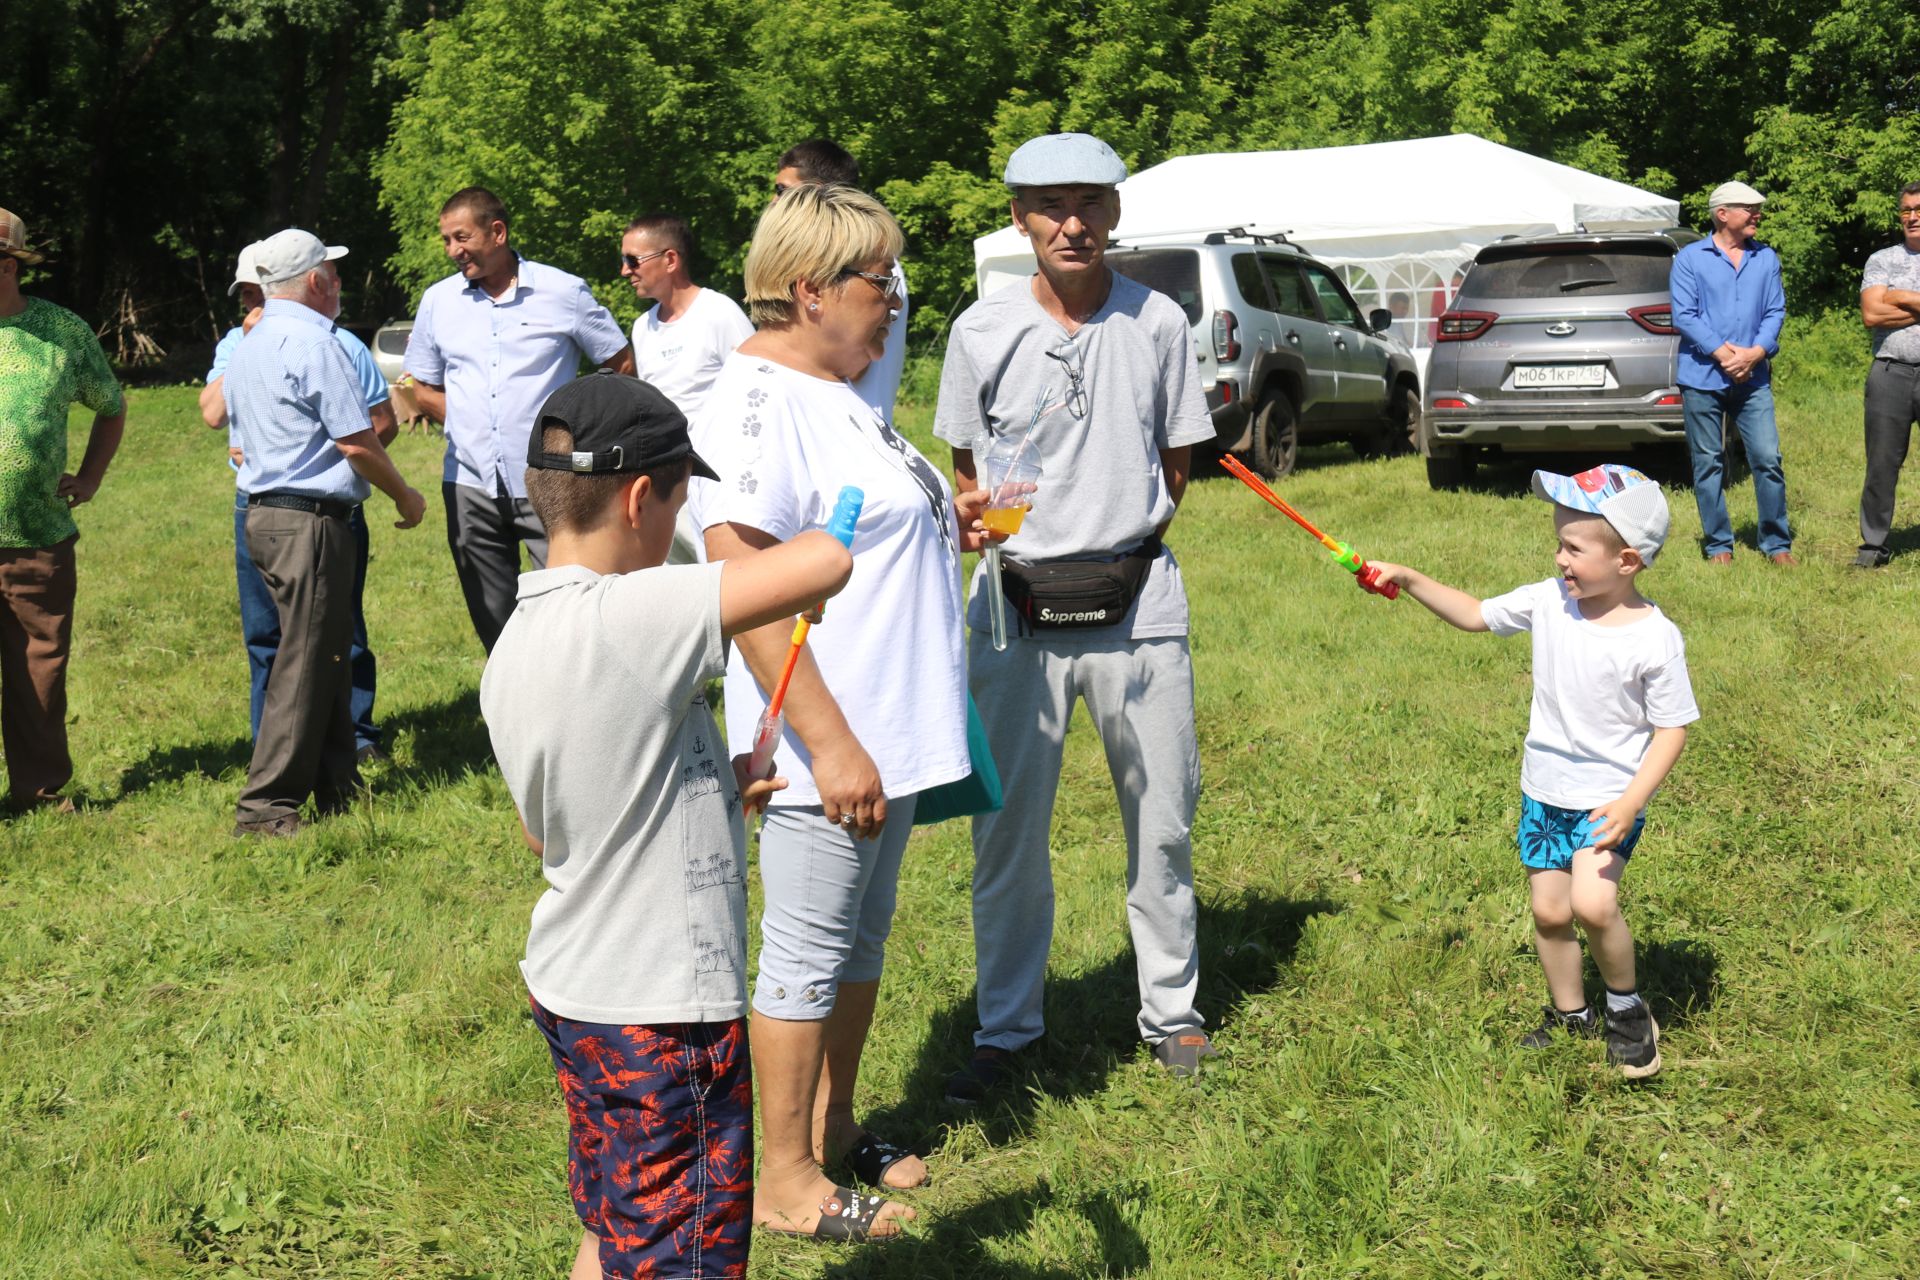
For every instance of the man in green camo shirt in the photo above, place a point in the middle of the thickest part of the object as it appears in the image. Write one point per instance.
(49, 359)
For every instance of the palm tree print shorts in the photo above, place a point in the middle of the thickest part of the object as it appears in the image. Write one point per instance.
(1550, 835)
(660, 1142)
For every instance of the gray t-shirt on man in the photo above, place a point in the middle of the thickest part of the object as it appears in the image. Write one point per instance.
(1111, 397)
(1896, 267)
(595, 701)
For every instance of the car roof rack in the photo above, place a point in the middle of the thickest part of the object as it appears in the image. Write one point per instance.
(1209, 235)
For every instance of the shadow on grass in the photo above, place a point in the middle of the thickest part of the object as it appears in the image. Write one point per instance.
(1678, 979)
(445, 739)
(1244, 946)
(950, 1244)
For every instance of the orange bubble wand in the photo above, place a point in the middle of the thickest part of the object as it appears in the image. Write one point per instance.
(1345, 556)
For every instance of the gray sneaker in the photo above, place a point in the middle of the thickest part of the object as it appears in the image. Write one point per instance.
(1633, 1042)
(1182, 1051)
(1557, 1023)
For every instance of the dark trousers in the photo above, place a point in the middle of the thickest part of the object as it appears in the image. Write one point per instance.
(260, 627)
(1893, 406)
(305, 744)
(36, 632)
(484, 533)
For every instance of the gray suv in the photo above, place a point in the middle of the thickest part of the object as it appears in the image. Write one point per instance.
(1284, 353)
(1555, 342)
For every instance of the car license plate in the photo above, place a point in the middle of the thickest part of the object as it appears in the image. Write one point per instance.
(1532, 376)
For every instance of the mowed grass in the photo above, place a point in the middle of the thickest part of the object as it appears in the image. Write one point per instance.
(312, 1057)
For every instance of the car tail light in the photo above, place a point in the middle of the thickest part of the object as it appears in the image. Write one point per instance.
(1657, 318)
(1225, 345)
(1449, 402)
(1667, 402)
(1464, 326)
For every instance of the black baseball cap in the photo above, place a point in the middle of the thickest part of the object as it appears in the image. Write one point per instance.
(619, 423)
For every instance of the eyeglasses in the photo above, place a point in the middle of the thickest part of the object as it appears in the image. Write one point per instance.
(1753, 209)
(780, 189)
(633, 264)
(1070, 358)
(885, 284)
(1904, 213)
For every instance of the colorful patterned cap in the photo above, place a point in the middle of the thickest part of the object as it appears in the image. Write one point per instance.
(13, 239)
(1623, 497)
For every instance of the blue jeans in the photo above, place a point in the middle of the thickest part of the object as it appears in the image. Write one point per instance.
(260, 626)
(1751, 409)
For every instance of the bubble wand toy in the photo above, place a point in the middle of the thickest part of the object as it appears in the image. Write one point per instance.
(766, 736)
(1343, 555)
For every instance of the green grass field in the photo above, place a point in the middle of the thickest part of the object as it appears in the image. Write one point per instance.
(312, 1057)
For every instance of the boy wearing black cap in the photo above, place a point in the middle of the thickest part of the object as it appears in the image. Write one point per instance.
(594, 699)
(1611, 702)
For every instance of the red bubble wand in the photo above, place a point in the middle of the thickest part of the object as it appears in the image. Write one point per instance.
(1345, 556)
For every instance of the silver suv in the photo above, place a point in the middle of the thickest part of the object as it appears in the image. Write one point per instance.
(1555, 342)
(1284, 354)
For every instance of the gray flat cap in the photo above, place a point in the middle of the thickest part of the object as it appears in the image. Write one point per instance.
(1058, 159)
(1734, 193)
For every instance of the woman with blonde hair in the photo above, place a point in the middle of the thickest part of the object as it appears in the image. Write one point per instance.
(876, 712)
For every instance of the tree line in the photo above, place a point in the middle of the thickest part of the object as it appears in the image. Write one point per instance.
(143, 141)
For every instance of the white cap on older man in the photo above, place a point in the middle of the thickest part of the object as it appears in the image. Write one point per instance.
(290, 254)
(1733, 193)
(1065, 159)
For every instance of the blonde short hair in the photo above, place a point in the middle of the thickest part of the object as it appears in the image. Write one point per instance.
(814, 233)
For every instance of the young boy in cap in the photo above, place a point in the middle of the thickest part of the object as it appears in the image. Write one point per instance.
(595, 701)
(1611, 702)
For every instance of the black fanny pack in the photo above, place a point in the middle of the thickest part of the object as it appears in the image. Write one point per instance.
(1078, 593)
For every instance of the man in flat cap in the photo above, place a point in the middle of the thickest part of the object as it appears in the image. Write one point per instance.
(308, 449)
(49, 359)
(1729, 306)
(1092, 374)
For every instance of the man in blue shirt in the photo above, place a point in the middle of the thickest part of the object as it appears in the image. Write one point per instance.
(307, 453)
(259, 620)
(1728, 305)
(489, 345)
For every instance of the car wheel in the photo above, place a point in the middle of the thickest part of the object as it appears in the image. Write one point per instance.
(1449, 468)
(1276, 436)
(1399, 429)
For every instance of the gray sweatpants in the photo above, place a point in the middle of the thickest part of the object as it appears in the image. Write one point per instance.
(1140, 695)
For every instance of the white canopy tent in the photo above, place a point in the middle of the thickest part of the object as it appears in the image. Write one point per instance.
(1398, 220)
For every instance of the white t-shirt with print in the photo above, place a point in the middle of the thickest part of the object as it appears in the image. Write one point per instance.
(681, 358)
(595, 703)
(890, 650)
(1598, 693)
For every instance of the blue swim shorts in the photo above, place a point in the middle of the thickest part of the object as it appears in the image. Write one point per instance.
(660, 1142)
(1550, 835)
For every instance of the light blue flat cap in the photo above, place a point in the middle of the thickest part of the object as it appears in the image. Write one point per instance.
(1059, 159)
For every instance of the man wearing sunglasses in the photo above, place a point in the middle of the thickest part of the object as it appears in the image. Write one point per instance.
(682, 340)
(1890, 307)
(1094, 373)
(1729, 305)
(821, 162)
(490, 343)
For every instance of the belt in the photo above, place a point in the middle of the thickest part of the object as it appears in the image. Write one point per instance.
(1905, 364)
(300, 502)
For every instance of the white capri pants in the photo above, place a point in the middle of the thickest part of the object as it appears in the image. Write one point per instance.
(828, 907)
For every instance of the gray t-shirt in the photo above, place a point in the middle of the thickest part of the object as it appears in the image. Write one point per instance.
(595, 701)
(1112, 396)
(1896, 267)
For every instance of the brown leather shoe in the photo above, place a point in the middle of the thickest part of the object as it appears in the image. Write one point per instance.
(1783, 558)
(1720, 557)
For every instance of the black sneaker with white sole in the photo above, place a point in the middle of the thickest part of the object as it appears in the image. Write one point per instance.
(1582, 1024)
(1633, 1041)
